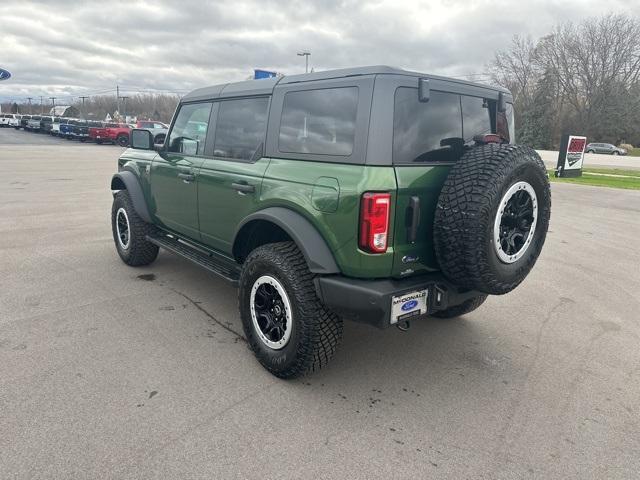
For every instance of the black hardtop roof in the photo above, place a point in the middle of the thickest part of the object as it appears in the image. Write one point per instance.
(266, 86)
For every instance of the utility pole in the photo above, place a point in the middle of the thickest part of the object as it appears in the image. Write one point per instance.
(84, 115)
(53, 105)
(124, 107)
(41, 105)
(30, 111)
(118, 99)
(306, 60)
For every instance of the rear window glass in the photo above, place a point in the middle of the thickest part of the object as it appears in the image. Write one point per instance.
(241, 128)
(426, 131)
(321, 122)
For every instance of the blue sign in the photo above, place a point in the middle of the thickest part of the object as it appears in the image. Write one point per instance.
(4, 74)
(258, 74)
(409, 305)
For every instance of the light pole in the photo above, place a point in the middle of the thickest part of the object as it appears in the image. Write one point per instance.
(306, 60)
(53, 105)
(30, 111)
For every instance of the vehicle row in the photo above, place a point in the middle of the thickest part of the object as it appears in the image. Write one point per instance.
(81, 129)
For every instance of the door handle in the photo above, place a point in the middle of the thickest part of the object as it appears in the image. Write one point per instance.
(414, 218)
(243, 187)
(187, 177)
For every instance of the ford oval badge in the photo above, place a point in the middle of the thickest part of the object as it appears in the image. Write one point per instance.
(4, 74)
(409, 305)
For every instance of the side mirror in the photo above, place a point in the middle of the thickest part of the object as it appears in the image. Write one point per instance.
(141, 139)
(423, 89)
(502, 103)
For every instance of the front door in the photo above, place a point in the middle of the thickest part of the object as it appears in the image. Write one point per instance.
(231, 176)
(174, 172)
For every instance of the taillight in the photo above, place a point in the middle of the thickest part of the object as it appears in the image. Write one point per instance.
(374, 222)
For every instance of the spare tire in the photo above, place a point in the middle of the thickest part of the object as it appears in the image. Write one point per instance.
(492, 217)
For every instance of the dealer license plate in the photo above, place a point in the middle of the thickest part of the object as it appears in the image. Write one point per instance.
(404, 307)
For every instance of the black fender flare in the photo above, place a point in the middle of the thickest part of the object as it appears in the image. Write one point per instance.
(304, 234)
(128, 181)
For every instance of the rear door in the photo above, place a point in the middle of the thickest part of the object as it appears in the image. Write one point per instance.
(428, 138)
(173, 187)
(230, 177)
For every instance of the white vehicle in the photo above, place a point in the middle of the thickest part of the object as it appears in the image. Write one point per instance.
(55, 126)
(158, 129)
(7, 120)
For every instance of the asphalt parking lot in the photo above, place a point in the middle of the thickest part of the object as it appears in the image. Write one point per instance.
(107, 371)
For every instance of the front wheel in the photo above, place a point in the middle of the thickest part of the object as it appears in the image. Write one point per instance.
(614, 152)
(159, 139)
(289, 330)
(122, 140)
(130, 232)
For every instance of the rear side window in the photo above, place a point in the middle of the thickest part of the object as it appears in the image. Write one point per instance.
(241, 128)
(321, 122)
(190, 129)
(476, 117)
(426, 131)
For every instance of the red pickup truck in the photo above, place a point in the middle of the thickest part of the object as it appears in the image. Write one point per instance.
(117, 133)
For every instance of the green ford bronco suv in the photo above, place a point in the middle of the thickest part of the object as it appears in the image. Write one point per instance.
(372, 194)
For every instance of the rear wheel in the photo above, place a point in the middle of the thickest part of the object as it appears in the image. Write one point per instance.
(465, 307)
(122, 140)
(130, 232)
(287, 327)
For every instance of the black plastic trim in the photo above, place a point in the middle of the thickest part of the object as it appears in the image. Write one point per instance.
(304, 234)
(132, 185)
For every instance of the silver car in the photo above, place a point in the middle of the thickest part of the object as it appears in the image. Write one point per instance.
(605, 148)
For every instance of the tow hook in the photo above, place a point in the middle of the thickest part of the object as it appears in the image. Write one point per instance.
(404, 326)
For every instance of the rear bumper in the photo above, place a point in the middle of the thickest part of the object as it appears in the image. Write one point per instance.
(369, 301)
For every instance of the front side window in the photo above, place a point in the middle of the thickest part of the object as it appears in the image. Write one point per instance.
(426, 131)
(321, 122)
(241, 127)
(190, 129)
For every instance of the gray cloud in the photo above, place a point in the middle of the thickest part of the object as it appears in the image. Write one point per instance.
(68, 48)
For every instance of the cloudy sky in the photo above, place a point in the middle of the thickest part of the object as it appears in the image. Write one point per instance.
(71, 48)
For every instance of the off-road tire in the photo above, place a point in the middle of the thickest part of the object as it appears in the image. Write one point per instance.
(466, 211)
(122, 140)
(139, 251)
(465, 307)
(316, 331)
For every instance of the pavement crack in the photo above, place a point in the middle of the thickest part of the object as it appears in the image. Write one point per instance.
(214, 319)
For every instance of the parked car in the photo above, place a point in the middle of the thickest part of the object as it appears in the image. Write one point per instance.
(33, 124)
(45, 123)
(605, 148)
(67, 128)
(158, 129)
(23, 122)
(4, 120)
(372, 194)
(55, 126)
(13, 120)
(117, 133)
